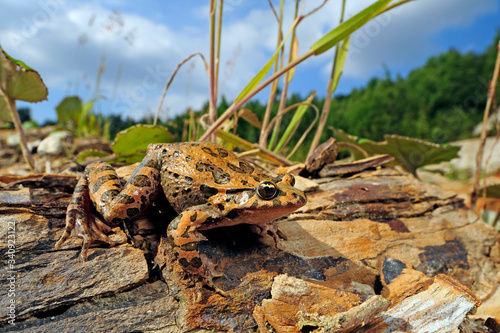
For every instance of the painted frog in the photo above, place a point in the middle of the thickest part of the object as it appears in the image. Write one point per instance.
(208, 186)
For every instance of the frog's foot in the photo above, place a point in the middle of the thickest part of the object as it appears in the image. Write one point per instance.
(205, 274)
(81, 221)
(209, 283)
(185, 241)
(93, 230)
(210, 272)
(269, 230)
(209, 267)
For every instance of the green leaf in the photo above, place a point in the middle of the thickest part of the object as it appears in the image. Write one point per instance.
(262, 73)
(132, 143)
(4, 108)
(70, 109)
(413, 153)
(90, 152)
(348, 27)
(19, 81)
(410, 153)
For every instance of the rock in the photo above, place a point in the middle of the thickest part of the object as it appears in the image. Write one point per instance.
(247, 283)
(379, 214)
(344, 321)
(442, 307)
(375, 232)
(145, 308)
(324, 154)
(61, 278)
(401, 281)
(291, 296)
(417, 304)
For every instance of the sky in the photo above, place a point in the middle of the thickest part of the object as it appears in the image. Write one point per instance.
(140, 44)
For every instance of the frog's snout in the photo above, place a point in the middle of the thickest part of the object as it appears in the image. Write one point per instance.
(301, 198)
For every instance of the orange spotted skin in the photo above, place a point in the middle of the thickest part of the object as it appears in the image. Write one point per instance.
(207, 185)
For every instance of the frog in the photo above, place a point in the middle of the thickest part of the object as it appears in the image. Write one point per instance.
(207, 185)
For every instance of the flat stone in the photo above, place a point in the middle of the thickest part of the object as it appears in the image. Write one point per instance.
(442, 307)
(148, 307)
(291, 297)
(54, 279)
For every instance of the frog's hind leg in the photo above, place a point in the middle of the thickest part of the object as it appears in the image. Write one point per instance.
(81, 219)
(101, 187)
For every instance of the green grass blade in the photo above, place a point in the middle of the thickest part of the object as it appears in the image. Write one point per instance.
(348, 27)
(258, 78)
(339, 63)
(263, 72)
(299, 113)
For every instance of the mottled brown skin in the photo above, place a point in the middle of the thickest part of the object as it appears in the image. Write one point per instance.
(207, 185)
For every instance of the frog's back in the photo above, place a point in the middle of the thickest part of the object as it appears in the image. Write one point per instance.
(193, 171)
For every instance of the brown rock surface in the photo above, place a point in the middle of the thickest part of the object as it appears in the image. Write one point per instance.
(379, 214)
(336, 245)
(292, 297)
(442, 307)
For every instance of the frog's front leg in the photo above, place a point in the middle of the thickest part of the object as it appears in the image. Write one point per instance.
(185, 240)
(101, 186)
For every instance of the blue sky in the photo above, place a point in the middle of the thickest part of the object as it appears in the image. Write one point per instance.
(66, 40)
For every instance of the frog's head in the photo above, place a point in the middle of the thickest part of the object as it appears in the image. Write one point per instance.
(272, 198)
(278, 197)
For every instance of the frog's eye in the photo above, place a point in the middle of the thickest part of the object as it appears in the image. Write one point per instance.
(267, 190)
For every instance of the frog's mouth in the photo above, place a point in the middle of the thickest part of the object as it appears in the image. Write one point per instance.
(262, 211)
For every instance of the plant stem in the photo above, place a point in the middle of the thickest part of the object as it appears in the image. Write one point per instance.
(232, 109)
(171, 79)
(328, 99)
(284, 91)
(20, 131)
(272, 93)
(217, 54)
(212, 111)
(322, 45)
(482, 140)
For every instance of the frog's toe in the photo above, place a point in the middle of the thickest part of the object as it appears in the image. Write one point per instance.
(209, 267)
(92, 229)
(72, 217)
(210, 272)
(63, 238)
(269, 230)
(85, 247)
(210, 284)
(99, 231)
(220, 291)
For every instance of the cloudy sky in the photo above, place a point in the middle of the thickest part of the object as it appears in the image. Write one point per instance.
(140, 44)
